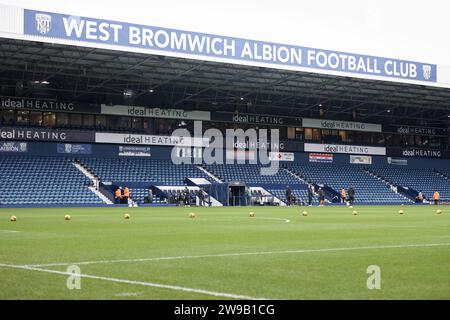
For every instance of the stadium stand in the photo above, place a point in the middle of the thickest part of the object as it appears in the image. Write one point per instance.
(250, 174)
(43, 180)
(445, 173)
(369, 189)
(55, 180)
(163, 172)
(423, 179)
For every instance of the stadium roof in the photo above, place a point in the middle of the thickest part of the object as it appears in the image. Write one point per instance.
(105, 76)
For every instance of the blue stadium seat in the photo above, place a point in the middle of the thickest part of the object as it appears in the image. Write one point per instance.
(162, 172)
(43, 180)
(419, 179)
(369, 189)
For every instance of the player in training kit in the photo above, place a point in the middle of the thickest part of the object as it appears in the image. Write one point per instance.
(351, 195)
(343, 195)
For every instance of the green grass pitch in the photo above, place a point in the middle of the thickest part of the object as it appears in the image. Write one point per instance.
(223, 253)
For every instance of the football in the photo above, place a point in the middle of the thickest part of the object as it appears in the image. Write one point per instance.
(304, 213)
(355, 212)
(191, 215)
(13, 218)
(400, 211)
(67, 217)
(438, 211)
(251, 214)
(126, 216)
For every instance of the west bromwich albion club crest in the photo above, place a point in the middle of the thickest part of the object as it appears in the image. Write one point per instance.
(43, 23)
(426, 72)
(68, 148)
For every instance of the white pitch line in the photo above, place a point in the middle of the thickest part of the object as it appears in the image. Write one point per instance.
(238, 254)
(9, 231)
(128, 294)
(140, 283)
(279, 219)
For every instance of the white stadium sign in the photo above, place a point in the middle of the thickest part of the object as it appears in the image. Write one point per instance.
(336, 148)
(220, 41)
(340, 125)
(281, 156)
(142, 139)
(354, 159)
(136, 111)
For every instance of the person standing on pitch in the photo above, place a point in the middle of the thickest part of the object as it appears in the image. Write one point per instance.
(118, 195)
(420, 197)
(321, 197)
(288, 195)
(186, 196)
(126, 194)
(351, 195)
(248, 196)
(310, 194)
(436, 197)
(201, 197)
(343, 195)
